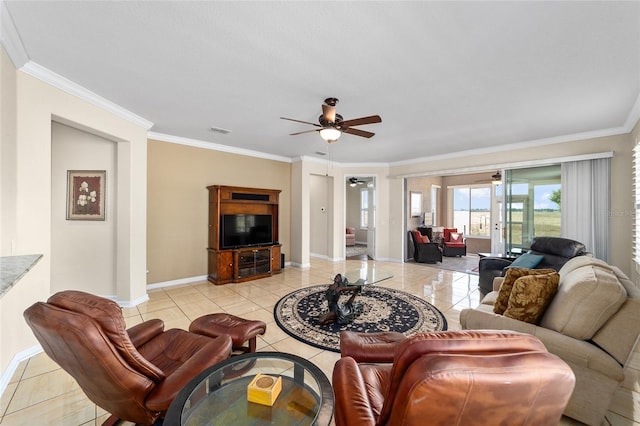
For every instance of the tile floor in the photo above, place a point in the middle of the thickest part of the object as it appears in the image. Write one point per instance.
(41, 393)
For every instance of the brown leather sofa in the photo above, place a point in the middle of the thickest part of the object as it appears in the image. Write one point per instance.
(453, 377)
(133, 374)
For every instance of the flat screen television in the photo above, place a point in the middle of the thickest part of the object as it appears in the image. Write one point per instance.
(242, 230)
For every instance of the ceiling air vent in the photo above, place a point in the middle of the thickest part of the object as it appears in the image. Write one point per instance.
(219, 130)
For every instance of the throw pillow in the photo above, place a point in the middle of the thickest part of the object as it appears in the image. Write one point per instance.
(425, 239)
(510, 277)
(530, 297)
(527, 260)
(456, 237)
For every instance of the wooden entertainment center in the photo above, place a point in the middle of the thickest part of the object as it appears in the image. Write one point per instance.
(243, 234)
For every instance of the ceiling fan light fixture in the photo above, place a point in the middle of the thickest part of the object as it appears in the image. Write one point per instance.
(330, 134)
(497, 178)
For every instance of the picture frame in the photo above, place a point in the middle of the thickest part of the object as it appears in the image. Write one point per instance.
(86, 194)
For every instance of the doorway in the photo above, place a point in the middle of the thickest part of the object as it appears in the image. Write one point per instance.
(532, 205)
(360, 216)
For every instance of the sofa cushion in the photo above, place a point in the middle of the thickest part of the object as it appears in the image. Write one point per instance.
(512, 274)
(589, 293)
(527, 260)
(530, 296)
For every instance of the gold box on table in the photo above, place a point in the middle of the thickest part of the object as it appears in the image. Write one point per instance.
(264, 389)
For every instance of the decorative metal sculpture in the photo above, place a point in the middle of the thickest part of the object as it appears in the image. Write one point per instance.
(342, 313)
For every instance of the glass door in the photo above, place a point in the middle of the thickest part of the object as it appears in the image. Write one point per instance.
(531, 205)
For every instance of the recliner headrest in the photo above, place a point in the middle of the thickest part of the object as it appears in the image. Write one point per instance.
(563, 247)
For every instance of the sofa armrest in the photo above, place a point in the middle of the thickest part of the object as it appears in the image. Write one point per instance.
(575, 352)
(204, 352)
(352, 402)
(377, 347)
(493, 263)
(144, 332)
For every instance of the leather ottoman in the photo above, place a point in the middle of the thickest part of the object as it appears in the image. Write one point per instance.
(239, 329)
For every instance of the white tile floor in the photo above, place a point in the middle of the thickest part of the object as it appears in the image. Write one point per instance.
(40, 393)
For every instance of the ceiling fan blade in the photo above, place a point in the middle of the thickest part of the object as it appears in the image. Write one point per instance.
(304, 131)
(358, 132)
(329, 113)
(300, 121)
(362, 120)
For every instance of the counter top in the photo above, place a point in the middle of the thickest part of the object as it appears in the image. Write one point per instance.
(12, 268)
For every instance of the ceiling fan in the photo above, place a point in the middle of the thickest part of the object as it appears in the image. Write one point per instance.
(354, 181)
(332, 125)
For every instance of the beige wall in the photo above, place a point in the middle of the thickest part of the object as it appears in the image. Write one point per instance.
(29, 106)
(177, 200)
(82, 252)
(302, 170)
(321, 204)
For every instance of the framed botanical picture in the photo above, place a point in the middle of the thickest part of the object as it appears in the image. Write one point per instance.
(86, 194)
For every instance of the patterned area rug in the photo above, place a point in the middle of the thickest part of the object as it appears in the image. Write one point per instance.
(384, 309)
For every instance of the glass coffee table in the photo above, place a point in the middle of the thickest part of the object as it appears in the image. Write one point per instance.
(218, 396)
(366, 275)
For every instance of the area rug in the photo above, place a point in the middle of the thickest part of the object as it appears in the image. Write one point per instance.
(467, 264)
(357, 250)
(384, 309)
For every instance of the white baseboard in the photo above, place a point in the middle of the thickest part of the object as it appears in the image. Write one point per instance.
(176, 282)
(13, 365)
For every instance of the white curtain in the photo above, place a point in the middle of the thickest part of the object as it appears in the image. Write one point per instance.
(585, 204)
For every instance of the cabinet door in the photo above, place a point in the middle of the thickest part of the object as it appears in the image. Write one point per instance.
(275, 259)
(224, 266)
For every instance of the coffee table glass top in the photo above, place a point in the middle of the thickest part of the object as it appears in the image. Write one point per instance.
(367, 275)
(218, 396)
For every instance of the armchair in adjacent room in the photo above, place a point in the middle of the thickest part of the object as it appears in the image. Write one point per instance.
(453, 243)
(425, 251)
(454, 377)
(350, 236)
(133, 374)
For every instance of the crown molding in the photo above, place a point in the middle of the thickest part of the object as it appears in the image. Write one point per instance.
(41, 73)
(10, 38)
(634, 116)
(519, 145)
(215, 147)
(508, 165)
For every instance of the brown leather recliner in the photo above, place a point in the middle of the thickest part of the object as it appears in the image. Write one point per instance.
(455, 378)
(133, 374)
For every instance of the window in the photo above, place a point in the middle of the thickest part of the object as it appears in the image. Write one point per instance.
(435, 198)
(472, 210)
(364, 208)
